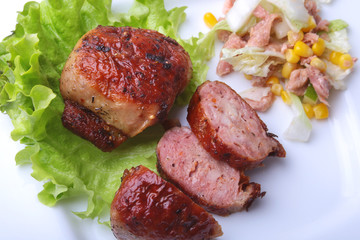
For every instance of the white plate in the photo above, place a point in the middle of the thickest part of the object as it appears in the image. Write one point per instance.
(312, 194)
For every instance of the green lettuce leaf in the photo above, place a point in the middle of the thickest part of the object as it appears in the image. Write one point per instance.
(337, 25)
(31, 61)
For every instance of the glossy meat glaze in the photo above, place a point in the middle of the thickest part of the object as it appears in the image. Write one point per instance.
(148, 207)
(228, 128)
(128, 77)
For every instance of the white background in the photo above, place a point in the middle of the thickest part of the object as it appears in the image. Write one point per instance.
(312, 194)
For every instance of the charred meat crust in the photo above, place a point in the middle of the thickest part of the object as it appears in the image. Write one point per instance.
(139, 61)
(212, 141)
(88, 125)
(128, 76)
(148, 207)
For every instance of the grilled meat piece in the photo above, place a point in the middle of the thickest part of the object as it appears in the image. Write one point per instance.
(127, 77)
(213, 184)
(148, 207)
(228, 128)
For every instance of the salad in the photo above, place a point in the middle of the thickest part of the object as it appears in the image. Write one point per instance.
(285, 49)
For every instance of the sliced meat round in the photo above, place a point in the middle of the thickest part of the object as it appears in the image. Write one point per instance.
(127, 77)
(213, 184)
(228, 128)
(146, 207)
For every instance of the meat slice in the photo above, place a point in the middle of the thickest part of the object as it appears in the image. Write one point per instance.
(228, 128)
(127, 77)
(146, 207)
(213, 184)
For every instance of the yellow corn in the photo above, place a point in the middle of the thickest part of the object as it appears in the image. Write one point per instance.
(287, 69)
(302, 50)
(335, 57)
(311, 25)
(210, 20)
(248, 77)
(346, 61)
(319, 47)
(276, 89)
(285, 97)
(272, 80)
(321, 111)
(308, 110)
(291, 57)
(319, 64)
(293, 37)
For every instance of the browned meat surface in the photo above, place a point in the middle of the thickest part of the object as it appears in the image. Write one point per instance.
(86, 124)
(146, 207)
(234, 41)
(214, 184)
(128, 77)
(228, 128)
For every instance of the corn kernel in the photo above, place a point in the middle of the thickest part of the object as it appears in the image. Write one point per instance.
(311, 25)
(308, 110)
(293, 37)
(319, 64)
(335, 57)
(287, 69)
(321, 111)
(346, 61)
(248, 77)
(276, 89)
(285, 97)
(210, 20)
(302, 50)
(272, 80)
(291, 57)
(319, 47)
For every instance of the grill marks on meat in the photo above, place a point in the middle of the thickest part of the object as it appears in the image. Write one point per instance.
(128, 77)
(214, 184)
(228, 128)
(148, 207)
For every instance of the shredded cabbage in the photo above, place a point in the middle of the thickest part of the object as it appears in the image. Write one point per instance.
(300, 127)
(294, 11)
(252, 60)
(240, 13)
